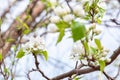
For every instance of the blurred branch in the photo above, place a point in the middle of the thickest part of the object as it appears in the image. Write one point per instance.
(8, 9)
(13, 33)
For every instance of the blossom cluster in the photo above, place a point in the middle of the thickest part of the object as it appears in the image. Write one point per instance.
(95, 52)
(79, 53)
(34, 44)
(67, 13)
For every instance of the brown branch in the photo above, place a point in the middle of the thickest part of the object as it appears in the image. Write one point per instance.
(107, 76)
(118, 73)
(13, 33)
(37, 66)
(87, 70)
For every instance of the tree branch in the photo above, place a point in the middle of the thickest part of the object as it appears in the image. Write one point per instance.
(13, 33)
(87, 70)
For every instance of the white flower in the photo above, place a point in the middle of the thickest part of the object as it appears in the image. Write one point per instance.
(59, 11)
(77, 50)
(108, 59)
(52, 28)
(79, 11)
(68, 18)
(53, 3)
(34, 44)
(102, 4)
(37, 43)
(62, 10)
(97, 32)
(66, 9)
(102, 58)
(55, 19)
(27, 47)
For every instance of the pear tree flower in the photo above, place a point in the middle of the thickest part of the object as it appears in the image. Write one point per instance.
(68, 18)
(102, 4)
(52, 28)
(55, 19)
(53, 3)
(34, 44)
(66, 9)
(62, 10)
(77, 50)
(59, 11)
(79, 11)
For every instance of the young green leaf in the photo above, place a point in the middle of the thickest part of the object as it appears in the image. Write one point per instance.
(26, 31)
(62, 25)
(6, 70)
(98, 43)
(20, 53)
(1, 57)
(45, 54)
(102, 65)
(86, 46)
(78, 31)
(61, 35)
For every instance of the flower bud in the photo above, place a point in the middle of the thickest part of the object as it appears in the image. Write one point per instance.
(93, 26)
(108, 60)
(55, 19)
(79, 11)
(97, 32)
(52, 28)
(68, 18)
(53, 3)
(102, 58)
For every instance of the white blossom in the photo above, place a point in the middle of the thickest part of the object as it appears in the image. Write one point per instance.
(55, 19)
(34, 44)
(52, 28)
(62, 10)
(27, 47)
(102, 58)
(59, 11)
(108, 59)
(77, 50)
(79, 11)
(66, 9)
(68, 18)
(102, 4)
(53, 3)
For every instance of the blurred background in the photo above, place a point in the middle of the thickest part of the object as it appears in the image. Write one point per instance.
(59, 55)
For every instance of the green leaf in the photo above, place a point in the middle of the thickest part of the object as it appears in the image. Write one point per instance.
(6, 70)
(98, 21)
(98, 43)
(10, 39)
(14, 47)
(96, 1)
(61, 35)
(20, 53)
(45, 54)
(93, 50)
(86, 46)
(86, 6)
(0, 22)
(1, 57)
(78, 31)
(62, 25)
(76, 78)
(26, 31)
(102, 65)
